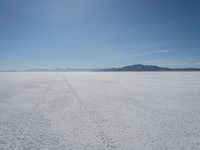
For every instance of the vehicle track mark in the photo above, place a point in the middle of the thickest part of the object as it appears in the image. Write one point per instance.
(106, 140)
(44, 94)
(78, 98)
(28, 116)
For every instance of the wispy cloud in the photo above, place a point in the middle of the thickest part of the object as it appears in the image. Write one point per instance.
(179, 63)
(196, 63)
(162, 51)
(147, 53)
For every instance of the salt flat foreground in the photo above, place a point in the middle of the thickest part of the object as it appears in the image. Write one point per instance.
(90, 111)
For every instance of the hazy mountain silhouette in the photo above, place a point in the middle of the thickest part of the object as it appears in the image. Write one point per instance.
(140, 67)
(137, 67)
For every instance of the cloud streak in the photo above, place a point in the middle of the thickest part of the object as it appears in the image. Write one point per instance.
(147, 53)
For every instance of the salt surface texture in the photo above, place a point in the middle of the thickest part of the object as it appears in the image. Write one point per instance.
(100, 110)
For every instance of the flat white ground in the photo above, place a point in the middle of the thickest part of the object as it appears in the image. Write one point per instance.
(97, 110)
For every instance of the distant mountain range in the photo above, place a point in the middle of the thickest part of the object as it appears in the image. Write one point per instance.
(140, 67)
(137, 67)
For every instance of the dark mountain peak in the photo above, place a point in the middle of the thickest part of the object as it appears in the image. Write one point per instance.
(140, 67)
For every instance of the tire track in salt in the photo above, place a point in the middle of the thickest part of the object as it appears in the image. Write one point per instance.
(28, 116)
(107, 140)
(40, 99)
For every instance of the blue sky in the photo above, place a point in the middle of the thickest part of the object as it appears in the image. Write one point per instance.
(99, 33)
